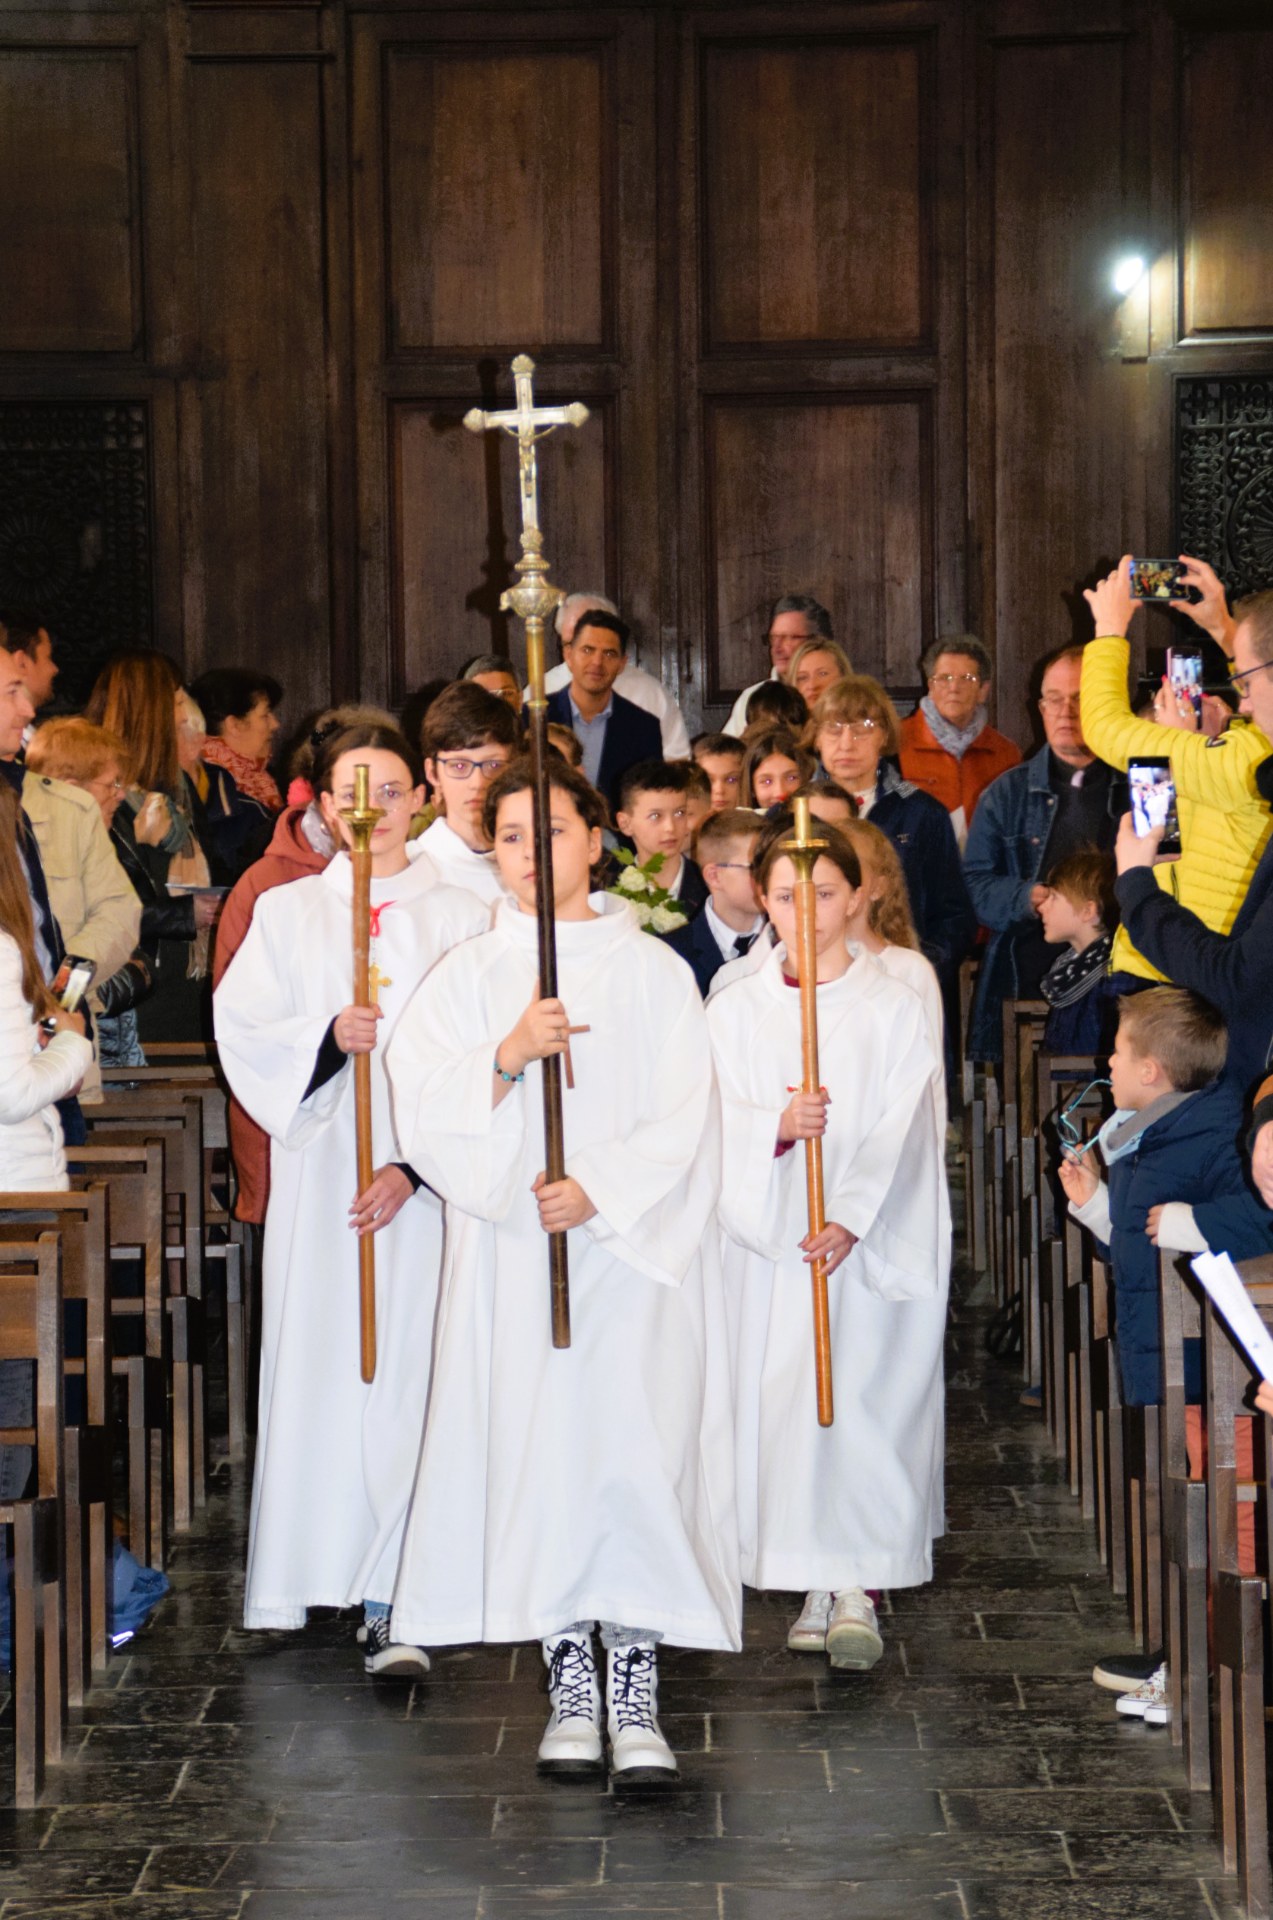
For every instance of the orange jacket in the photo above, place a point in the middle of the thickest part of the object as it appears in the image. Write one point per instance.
(289, 856)
(956, 783)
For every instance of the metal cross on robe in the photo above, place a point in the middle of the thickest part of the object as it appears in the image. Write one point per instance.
(533, 600)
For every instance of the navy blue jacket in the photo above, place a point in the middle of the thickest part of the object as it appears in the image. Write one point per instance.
(941, 906)
(1191, 1154)
(1234, 971)
(632, 734)
(696, 944)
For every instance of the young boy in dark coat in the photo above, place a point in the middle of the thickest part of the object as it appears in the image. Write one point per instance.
(1175, 1180)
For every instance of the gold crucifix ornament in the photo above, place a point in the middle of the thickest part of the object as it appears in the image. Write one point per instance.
(532, 599)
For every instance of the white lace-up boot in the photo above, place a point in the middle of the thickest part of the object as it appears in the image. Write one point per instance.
(572, 1738)
(638, 1750)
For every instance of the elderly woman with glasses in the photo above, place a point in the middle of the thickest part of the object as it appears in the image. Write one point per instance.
(855, 732)
(949, 747)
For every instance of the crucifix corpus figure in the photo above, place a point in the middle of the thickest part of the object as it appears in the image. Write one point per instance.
(533, 600)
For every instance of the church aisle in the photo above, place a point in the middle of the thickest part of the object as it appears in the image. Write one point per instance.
(976, 1772)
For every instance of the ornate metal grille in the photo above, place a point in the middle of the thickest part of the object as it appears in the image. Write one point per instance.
(75, 531)
(1224, 477)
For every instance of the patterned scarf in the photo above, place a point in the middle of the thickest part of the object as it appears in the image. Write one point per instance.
(249, 776)
(953, 740)
(1075, 974)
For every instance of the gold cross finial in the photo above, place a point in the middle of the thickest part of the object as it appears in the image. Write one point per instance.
(527, 423)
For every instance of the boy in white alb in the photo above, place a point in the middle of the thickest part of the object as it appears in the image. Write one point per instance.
(558, 1488)
(468, 738)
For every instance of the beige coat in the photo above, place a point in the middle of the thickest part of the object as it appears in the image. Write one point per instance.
(91, 895)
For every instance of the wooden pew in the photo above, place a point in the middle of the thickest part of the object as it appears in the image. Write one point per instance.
(31, 1330)
(80, 1222)
(1184, 1533)
(135, 1172)
(1237, 1617)
(176, 1119)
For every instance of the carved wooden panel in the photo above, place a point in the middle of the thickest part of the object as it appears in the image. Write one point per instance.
(456, 523)
(829, 496)
(497, 172)
(261, 520)
(1228, 184)
(1060, 431)
(1224, 477)
(69, 254)
(75, 528)
(814, 193)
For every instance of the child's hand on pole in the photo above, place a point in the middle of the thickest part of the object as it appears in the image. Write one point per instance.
(805, 1116)
(833, 1245)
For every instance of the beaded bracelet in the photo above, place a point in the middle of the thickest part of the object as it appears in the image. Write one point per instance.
(509, 1079)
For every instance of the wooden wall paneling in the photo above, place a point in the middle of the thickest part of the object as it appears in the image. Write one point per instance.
(260, 512)
(1059, 390)
(865, 548)
(1226, 261)
(438, 316)
(456, 526)
(70, 242)
(816, 198)
(497, 164)
(821, 329)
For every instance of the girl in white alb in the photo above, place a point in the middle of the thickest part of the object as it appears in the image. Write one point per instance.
(845, 1510)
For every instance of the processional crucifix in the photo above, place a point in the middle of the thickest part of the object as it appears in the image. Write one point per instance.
(533, 600)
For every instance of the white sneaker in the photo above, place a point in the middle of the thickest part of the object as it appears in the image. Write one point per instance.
(638, 1750)
(809, 1634)
(572, 1738)
(853, 1637)
(1149, 1702)
(387, 1658)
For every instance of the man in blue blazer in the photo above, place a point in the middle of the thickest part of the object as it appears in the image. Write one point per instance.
(613, 733)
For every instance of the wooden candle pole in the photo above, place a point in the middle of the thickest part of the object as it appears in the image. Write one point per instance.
(803, 851)
(362, 819)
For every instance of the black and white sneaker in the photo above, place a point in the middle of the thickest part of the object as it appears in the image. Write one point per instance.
(638, 1750)
(386, 1658)
(1124, 1672)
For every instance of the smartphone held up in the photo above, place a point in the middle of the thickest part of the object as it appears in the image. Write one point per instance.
(1153, 798)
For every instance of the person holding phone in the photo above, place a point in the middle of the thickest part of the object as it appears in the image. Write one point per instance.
(1234, 970)
(1224, 817)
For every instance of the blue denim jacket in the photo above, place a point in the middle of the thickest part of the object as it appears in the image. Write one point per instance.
(1003, 859)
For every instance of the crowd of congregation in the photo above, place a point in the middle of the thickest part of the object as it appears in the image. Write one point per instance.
(136, 838)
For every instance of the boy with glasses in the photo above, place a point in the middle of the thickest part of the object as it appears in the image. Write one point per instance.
(469, 735)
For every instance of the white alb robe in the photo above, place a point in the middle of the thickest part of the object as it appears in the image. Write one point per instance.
(453, 863)
(335, 1459)
(851, 1505)
(594, 1482)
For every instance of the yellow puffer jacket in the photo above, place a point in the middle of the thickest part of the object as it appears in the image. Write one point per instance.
(1224, 821)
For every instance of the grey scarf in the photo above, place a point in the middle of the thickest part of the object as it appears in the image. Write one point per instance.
(953, 740)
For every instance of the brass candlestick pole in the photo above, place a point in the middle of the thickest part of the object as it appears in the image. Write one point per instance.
(534, 599)
(362, 819)
(803, 850)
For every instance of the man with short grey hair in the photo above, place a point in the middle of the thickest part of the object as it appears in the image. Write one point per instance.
(633, 684)
(794, 618)
(949, 747)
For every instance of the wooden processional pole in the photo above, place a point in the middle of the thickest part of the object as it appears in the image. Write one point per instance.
(362, 819)
(534, 600)
(803, 851)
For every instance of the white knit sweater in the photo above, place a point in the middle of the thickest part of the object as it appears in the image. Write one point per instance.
(31, 1155)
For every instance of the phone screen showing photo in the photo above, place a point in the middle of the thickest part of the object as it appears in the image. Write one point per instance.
(1153, 797)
